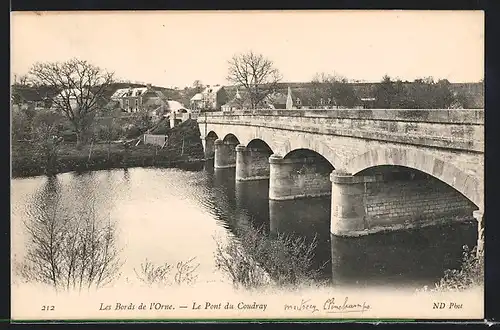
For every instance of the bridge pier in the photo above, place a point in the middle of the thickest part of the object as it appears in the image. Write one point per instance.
(225, 154)
(368, 204)
(292, 178)
(251, 164)
(208, 146)
(348, 207)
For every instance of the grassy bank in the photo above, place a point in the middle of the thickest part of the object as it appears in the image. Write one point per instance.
(184, 149)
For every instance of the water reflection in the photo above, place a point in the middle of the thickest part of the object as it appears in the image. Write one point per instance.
(416, 257)
(252, 198)
(309, 218)
(68, 245)
(147, 203)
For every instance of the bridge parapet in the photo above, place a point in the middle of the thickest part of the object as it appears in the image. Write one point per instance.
(461, 129)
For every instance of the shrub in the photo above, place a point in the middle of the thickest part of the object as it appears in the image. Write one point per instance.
(256, 260)
(152, 274)
(67, 252)
(470, 275)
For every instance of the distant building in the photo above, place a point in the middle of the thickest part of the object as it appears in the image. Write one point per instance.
(74, 96)
(24, 97)
(368, 102)
(211, 99)
(236, 103)
(140, 99)
(178, 113)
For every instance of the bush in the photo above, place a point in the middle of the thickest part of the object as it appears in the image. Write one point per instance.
(470, 275)
(151, 274)
(255, 260)
(70, 252)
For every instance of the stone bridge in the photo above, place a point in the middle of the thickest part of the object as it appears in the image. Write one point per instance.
(384, 168)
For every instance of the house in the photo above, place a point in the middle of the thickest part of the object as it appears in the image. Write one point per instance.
(236, 103)
(196, 102)
(24, 97)
(211, 99)
(279, 100)
(140, 99)
(72, 96)
(368, 102)
(178, 113)
(276, 100)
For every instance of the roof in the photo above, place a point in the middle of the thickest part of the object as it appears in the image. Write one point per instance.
(176, 106)
(212, 89)
(197, 97)
(73, 92)
(235, 102)
(123, 92)
(31, 94)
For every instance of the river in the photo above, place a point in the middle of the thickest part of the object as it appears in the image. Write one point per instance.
(172, 215)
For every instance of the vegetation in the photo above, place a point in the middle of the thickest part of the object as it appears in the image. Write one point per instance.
(151, 274)
(419, 94)
(256, 74)
(332, 90)
(81, 86)
(470, 275)
(56, 156)
(254, 260)
(70, 252)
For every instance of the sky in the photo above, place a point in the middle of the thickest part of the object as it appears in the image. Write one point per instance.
(168, 48)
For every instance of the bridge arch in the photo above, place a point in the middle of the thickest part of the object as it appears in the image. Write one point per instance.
(212, 136)
(466, 184)
(260, 144)
(315, 145)
(309, 154)
(230, 138)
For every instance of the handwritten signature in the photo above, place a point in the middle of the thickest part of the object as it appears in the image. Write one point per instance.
(305, 305)
(331, 306)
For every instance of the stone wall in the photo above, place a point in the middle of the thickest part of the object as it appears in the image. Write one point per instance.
(454, 129)
(413, 203)
(251, 163)
(298, 178)
(367, 204)
(225, 154)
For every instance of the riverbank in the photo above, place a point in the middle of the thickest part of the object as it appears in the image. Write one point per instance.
(183, 150)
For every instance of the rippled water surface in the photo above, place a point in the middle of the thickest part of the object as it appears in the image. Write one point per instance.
(169, 215)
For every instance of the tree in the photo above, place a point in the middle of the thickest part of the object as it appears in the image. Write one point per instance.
(385, 93)
(19, 124)
(69, 251)
(46, 135)
(333, 90)
(256, 74)
(82, 85)
(198, 86)
(443, 96)
(22, 80)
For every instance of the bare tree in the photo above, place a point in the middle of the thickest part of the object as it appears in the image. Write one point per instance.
(81, 85)
(198, 86)
(21, 80)
(68, 252)
(256, 74)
